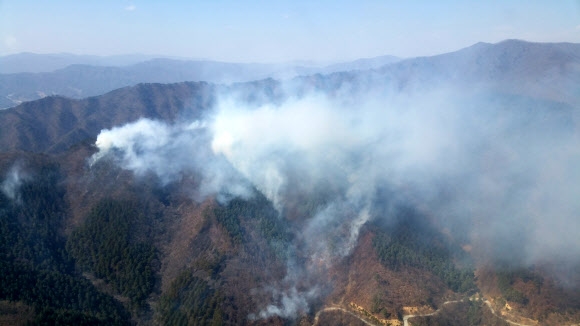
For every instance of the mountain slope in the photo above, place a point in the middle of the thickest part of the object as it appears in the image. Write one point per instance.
(55, 123)
(539, 70)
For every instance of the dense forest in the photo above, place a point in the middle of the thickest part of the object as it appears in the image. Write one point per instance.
(412, 242)
(117, 243)
(36, 268)
(110, 245)
(190, 301)
(52, 272)
(258, 210)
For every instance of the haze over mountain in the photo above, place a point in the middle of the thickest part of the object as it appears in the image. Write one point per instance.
(549, 72)
(91, 75)
(442, 187)
(35, 63)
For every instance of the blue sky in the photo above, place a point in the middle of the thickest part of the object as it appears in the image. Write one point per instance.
(276, 30)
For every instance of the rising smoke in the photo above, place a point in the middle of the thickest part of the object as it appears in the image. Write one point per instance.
(495, 161)
(14, 179)
(170, 151)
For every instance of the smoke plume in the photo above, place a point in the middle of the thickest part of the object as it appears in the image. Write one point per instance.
(12, 182)
(500, 168)
(170, 151)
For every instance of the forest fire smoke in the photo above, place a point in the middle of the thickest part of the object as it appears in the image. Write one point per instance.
(462, 157)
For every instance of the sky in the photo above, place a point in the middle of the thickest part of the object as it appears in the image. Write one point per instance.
(278, 30)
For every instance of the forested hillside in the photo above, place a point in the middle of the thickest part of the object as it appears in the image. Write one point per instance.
(36, 267)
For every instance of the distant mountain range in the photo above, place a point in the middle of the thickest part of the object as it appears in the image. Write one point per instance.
(34, 63)
(27, 76)
(539, 70)
(548, 72)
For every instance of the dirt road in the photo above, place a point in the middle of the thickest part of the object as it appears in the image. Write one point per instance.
(341, 309)
(407, 317)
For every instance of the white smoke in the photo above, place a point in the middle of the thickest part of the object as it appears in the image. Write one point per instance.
(290, 303)
(505, 164)
(267, 143)
(317, 143)
(13, 181)
(466, 159)
(169, 151)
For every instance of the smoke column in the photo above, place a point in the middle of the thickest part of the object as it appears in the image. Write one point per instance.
(11, 184)
(468, 159)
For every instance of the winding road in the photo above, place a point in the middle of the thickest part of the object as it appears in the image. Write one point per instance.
(333, 308)
(500, 316)
(407, 317)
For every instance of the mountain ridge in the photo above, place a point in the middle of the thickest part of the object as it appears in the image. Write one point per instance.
(82, 80)
(479, 61)
(527, 79)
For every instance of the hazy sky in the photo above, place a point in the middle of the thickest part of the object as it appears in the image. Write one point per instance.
(278, 30)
